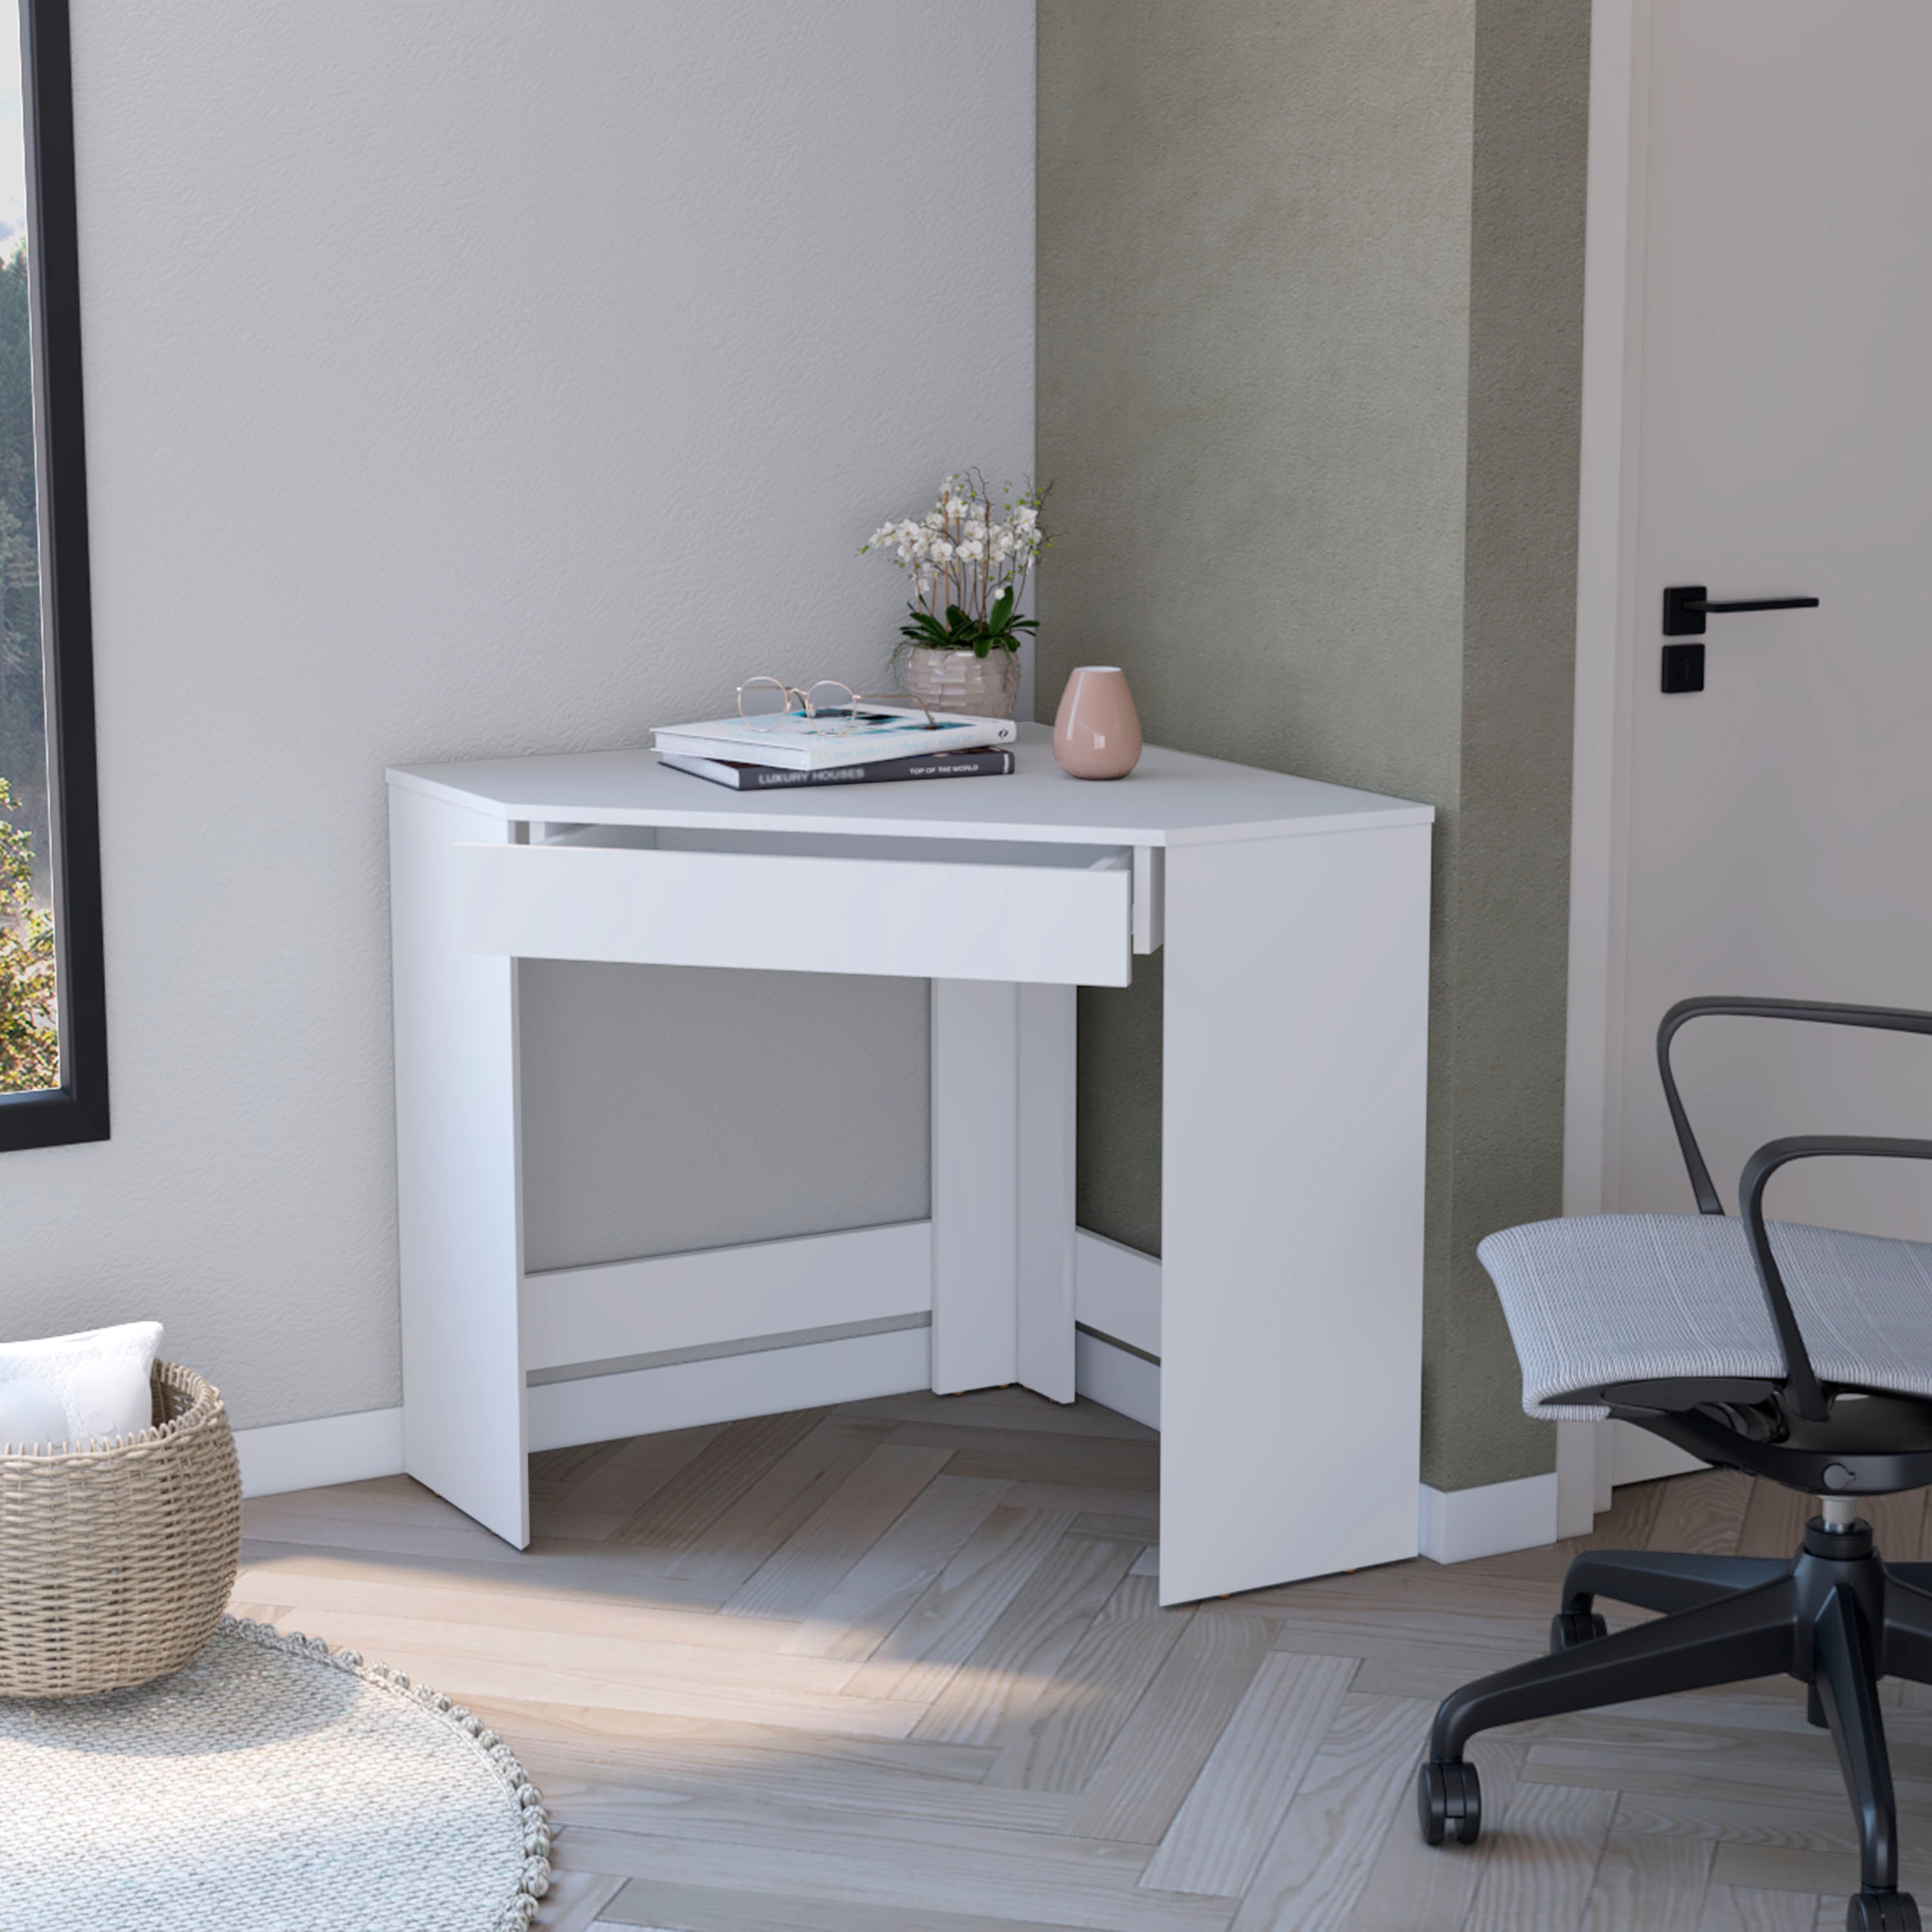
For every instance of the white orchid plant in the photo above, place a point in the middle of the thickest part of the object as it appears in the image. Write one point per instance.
(969, 564)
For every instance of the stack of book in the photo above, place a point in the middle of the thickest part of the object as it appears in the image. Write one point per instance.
(869, 744)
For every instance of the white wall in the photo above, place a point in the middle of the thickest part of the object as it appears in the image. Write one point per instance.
(463, 379)
(670, 1108)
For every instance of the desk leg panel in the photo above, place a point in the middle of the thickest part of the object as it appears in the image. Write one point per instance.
(975, 1191)
(456, 1168)
(1294, 1077)
(1003, 1103)
(1048, 1027)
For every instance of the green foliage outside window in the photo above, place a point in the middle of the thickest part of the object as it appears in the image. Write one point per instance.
(23, 753)
(21, 698)
(29, 1042)
(29, 1034)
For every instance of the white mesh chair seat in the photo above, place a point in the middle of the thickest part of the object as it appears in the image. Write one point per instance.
(1606, 1298)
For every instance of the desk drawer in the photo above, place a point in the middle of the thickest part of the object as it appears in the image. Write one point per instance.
(1058, 915)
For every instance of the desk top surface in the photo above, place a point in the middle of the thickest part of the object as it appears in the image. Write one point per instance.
(1172, 798)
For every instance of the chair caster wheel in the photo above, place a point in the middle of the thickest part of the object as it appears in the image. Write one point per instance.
(1882, 1912)
(1449, 1796)
(1570, 1629)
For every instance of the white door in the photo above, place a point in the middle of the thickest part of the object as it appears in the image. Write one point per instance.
(1777, 441)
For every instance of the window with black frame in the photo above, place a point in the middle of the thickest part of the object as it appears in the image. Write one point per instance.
(53, 1030)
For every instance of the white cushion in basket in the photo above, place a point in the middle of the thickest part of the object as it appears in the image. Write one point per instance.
(97, 1382)
(30, 1416)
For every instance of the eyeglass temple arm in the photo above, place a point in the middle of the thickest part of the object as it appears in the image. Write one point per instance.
(897, 699)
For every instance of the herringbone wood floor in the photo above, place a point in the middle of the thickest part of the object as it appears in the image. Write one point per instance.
(899, 1667)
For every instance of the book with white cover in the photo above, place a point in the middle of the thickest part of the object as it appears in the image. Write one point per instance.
(859, 736)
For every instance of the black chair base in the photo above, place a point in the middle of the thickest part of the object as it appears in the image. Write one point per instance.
(1835, 1617)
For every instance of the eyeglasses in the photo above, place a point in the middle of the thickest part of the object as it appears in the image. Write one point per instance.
(761, 697)
(768, 697)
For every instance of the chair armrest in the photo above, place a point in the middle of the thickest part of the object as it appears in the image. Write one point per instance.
(1807, 1398)
(1890, 1019)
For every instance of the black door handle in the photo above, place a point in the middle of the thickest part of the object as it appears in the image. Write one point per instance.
(1686, 606)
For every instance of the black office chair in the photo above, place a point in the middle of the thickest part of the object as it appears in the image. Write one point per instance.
(1695, 1327)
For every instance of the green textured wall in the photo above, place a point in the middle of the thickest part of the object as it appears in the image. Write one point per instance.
(1310, 284)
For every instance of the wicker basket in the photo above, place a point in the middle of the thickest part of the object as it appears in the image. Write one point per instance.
(115, 1563)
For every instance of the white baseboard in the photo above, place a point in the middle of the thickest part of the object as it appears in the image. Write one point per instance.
(331, 1449)
(601, 1409)
(1116, 1379)
(1455, 1525)
(643, 1401)
(1459, 1524)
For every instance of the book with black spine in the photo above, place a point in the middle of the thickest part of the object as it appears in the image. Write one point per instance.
(988, 763)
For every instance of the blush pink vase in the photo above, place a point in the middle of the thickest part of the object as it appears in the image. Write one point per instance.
(1096, 734)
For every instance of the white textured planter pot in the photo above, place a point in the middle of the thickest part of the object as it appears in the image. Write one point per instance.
(986, 687)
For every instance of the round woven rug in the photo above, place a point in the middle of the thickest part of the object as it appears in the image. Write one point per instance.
(270, 1785)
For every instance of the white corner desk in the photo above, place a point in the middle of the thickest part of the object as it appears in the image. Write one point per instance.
(1285, 1310)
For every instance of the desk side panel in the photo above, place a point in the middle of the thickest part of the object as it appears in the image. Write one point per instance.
(458, 1181)
(1294, 1081)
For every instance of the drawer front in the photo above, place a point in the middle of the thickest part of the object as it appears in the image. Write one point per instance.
(1057, 925)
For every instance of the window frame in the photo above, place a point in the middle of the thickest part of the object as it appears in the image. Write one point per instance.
(76, 1110)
